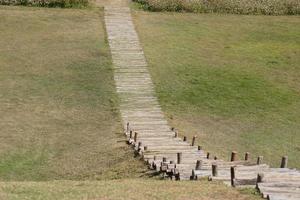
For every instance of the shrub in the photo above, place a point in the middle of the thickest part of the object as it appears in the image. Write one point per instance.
(47, 3)
(265, 7)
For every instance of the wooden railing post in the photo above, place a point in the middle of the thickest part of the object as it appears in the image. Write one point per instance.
(164, 159)
(232, 176)
(207, 155)
(233, 156)
(179, 158)
(284, 162)
(259, 160)
(139, 146)
(194, 140)
(135, 136)
(127, 127)
(214, 169)
(198, 164)
(247, 155)
(176, 134)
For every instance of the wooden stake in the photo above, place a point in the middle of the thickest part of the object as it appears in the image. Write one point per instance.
(215, 158)
(130, 135)
(233, 156)
(260, 177)
(139, 146)
(184, 138)
(127, 128)
(198, 164)
(232, 176)
(199, 148)
(135, 136)
(176, 134)
(207, 155)
(214, 168)
(171, 162)
(247, 154)
(259, 160)
(145, 148)
(284, 162)
(179, 158)
(164, 159)
(194, 140)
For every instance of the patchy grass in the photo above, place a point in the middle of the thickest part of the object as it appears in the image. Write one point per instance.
(120, 189)
(59, 114)
(232, 80)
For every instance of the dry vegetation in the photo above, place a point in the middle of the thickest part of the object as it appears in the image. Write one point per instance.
(120, 190)
(266, 7)
(58, 108)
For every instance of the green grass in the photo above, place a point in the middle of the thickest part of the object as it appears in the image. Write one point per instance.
(120, 190)
(232, 80)
(59, 114)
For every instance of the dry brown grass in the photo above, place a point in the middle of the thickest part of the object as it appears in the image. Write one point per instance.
(59, 112)
(121, 190)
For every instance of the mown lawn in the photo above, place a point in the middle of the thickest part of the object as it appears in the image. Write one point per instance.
(233, 80)
(59, 115)
(125, 189)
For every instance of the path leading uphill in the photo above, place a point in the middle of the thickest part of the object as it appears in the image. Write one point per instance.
(148, 131)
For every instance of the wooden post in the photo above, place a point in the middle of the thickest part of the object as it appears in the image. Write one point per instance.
(214, 168)
(171, 162)
(139, 146)
(207, 155)
(172, 129)
(232, 176)
(135, 136)
(179, 158)
(145, 148)
(199, 148)
(130, 135)
(215, 158)
(198, 164)
(127, 127)
(233, 156)
(259, 160)
(194, 140)
(164, 159)
(176, 134)
(184, 138)
(260, 178)
(284, 162)
(154, 157)
(247, 156)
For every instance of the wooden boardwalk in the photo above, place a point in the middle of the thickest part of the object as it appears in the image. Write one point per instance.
(148, 131)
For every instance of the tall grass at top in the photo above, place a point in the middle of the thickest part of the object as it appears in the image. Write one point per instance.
(47, 3)
(265, 7)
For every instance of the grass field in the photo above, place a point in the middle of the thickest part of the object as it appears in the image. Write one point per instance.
(233, 80)
(59, 114)
(60, 126)
(120, 190)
